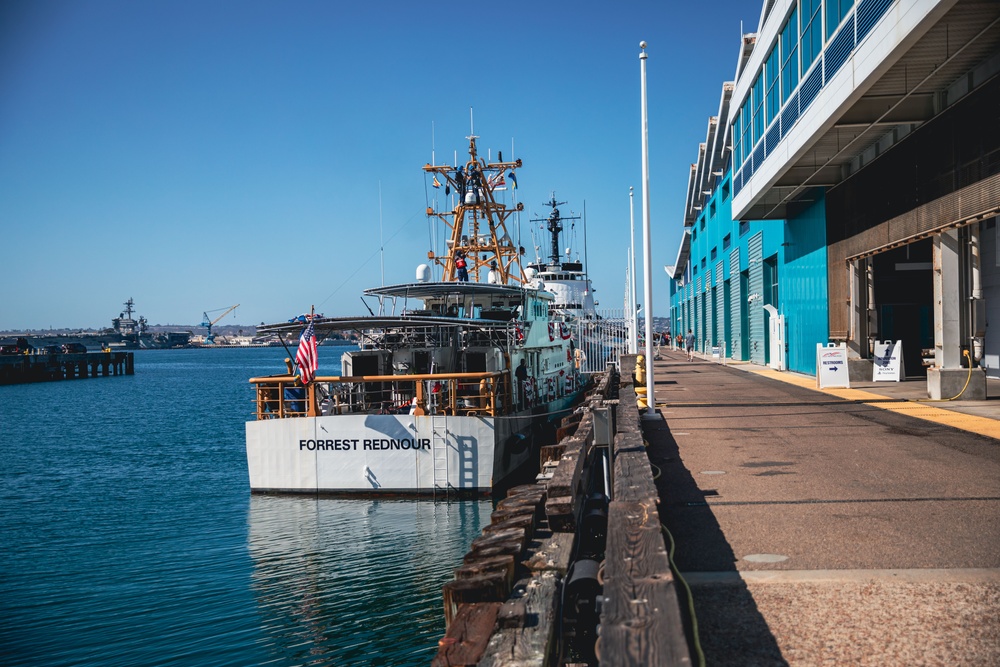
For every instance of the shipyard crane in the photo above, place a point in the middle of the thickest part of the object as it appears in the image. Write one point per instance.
(208, 323)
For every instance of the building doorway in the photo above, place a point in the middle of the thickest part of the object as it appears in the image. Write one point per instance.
(904, 301)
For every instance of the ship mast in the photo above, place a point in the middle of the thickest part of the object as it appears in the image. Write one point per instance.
(554, 225)
(478, 224)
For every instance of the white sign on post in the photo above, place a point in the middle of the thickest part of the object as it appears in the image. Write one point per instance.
(831, 365)
(888, 361)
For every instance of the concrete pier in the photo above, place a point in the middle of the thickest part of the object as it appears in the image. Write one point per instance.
(849, 527)
(756, 520)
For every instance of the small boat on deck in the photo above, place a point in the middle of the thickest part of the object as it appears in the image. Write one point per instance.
(454, 394)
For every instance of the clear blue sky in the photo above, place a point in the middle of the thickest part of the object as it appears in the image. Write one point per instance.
(194, 155)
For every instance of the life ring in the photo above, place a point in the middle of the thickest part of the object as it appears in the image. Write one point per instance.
(529, 389)
(552, 332)
(564, 331)
(519, 334)
(569, 355)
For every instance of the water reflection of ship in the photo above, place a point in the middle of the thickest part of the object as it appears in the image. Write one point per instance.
(333, 585)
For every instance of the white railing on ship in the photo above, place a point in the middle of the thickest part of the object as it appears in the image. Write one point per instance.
(483, 394)
(602, 340)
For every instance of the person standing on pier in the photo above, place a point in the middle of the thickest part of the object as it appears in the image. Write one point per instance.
(689, 345)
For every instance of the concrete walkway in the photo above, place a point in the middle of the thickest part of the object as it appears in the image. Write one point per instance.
(821, 528)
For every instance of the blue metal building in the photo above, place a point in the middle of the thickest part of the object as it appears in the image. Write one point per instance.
(848, 190)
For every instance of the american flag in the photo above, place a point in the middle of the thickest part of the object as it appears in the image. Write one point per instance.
(305, 356)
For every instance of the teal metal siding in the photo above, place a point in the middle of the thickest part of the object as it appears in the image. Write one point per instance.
(802, 284)
(709, 310)
(736, 302)
(720, 306)
(699, 315)
(755, 260)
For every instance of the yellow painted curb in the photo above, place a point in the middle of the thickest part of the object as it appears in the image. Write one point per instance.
(971, 423)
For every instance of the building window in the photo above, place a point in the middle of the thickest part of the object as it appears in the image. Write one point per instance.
(836, 10)
(745, 131)
(726, 241)
(789, 56)
(703, 263)
(758, 108)
(711, 210)
(694, 270)
(701, 223)
(725, 190)
(737, 143)
(744, 227)
(714, 254)
(771, 88)
(811, 41)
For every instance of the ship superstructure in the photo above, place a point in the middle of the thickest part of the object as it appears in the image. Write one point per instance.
(566, 279)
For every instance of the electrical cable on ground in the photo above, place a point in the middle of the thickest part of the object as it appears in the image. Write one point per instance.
(965, 353)
(680, 577)
(694, 619)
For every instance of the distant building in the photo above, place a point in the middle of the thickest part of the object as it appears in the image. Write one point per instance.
(850, 186)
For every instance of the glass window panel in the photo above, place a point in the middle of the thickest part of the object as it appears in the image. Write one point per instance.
(789, 56)
(836, 10)
(745, 130)
(737, 143)
(758, 108)
(811, 40)
(771, 75)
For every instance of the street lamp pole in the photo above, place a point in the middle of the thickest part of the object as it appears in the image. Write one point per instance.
(633, 316)
(647, 272)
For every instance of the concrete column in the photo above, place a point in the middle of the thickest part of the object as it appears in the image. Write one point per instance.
(947, 297)
(859, 363)
(947, 378)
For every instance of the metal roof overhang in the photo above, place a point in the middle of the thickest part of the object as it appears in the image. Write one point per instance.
(446, 289)
(683, 255)
(904, 96)
(380, 322)
(436, 290)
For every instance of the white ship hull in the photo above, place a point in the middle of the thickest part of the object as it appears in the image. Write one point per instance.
(404, 454)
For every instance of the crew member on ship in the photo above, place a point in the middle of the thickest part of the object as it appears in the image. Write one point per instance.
(460, 267)
(521, 373)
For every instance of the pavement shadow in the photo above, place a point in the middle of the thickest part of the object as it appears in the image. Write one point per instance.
(731, 629)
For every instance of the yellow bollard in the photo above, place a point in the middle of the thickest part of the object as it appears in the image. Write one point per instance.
(640, 369)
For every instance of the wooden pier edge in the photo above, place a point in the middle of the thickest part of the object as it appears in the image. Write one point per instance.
(26, 368)
(504, 606)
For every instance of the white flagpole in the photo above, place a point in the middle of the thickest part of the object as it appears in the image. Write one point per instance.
(647, 250)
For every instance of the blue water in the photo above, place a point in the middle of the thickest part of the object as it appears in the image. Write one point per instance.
(128, 535)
